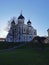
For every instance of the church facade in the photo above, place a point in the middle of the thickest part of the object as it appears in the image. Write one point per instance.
(21, 32)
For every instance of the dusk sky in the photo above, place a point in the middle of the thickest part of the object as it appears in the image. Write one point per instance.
(35, 10)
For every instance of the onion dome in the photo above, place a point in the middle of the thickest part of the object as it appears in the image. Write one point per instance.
(29, 22)
(21, 17)
(13, 22)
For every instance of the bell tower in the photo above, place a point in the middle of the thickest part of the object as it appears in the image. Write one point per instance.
(29, 23)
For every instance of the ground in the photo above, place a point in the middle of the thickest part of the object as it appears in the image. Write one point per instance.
(24, 57)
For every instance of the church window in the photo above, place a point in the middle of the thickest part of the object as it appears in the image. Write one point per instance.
(24, 29)
(10, 38)
(30, 37)
(34, 33)
(15, 29)
(19, 37)
(24, 37)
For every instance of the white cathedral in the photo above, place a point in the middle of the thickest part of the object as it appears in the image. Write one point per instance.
(20, 32)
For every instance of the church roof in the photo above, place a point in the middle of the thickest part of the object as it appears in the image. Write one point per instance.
(21, 16)
(29, 21)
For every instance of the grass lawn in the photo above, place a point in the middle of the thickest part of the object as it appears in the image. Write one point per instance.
(24, 57)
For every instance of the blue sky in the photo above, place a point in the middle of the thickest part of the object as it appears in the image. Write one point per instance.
(35, 10)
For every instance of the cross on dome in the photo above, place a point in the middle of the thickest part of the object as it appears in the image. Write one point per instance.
(21, 16)
(29, 21)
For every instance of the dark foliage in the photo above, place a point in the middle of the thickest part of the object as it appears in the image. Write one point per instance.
(6, 45)
(38, 42)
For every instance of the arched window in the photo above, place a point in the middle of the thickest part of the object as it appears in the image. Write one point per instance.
(34, 33)
(30, 37)
(24, 29)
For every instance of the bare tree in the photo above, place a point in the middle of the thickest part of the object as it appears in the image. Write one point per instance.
(11, 28)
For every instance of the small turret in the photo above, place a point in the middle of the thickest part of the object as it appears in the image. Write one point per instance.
(29, 23)
(13, 23)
